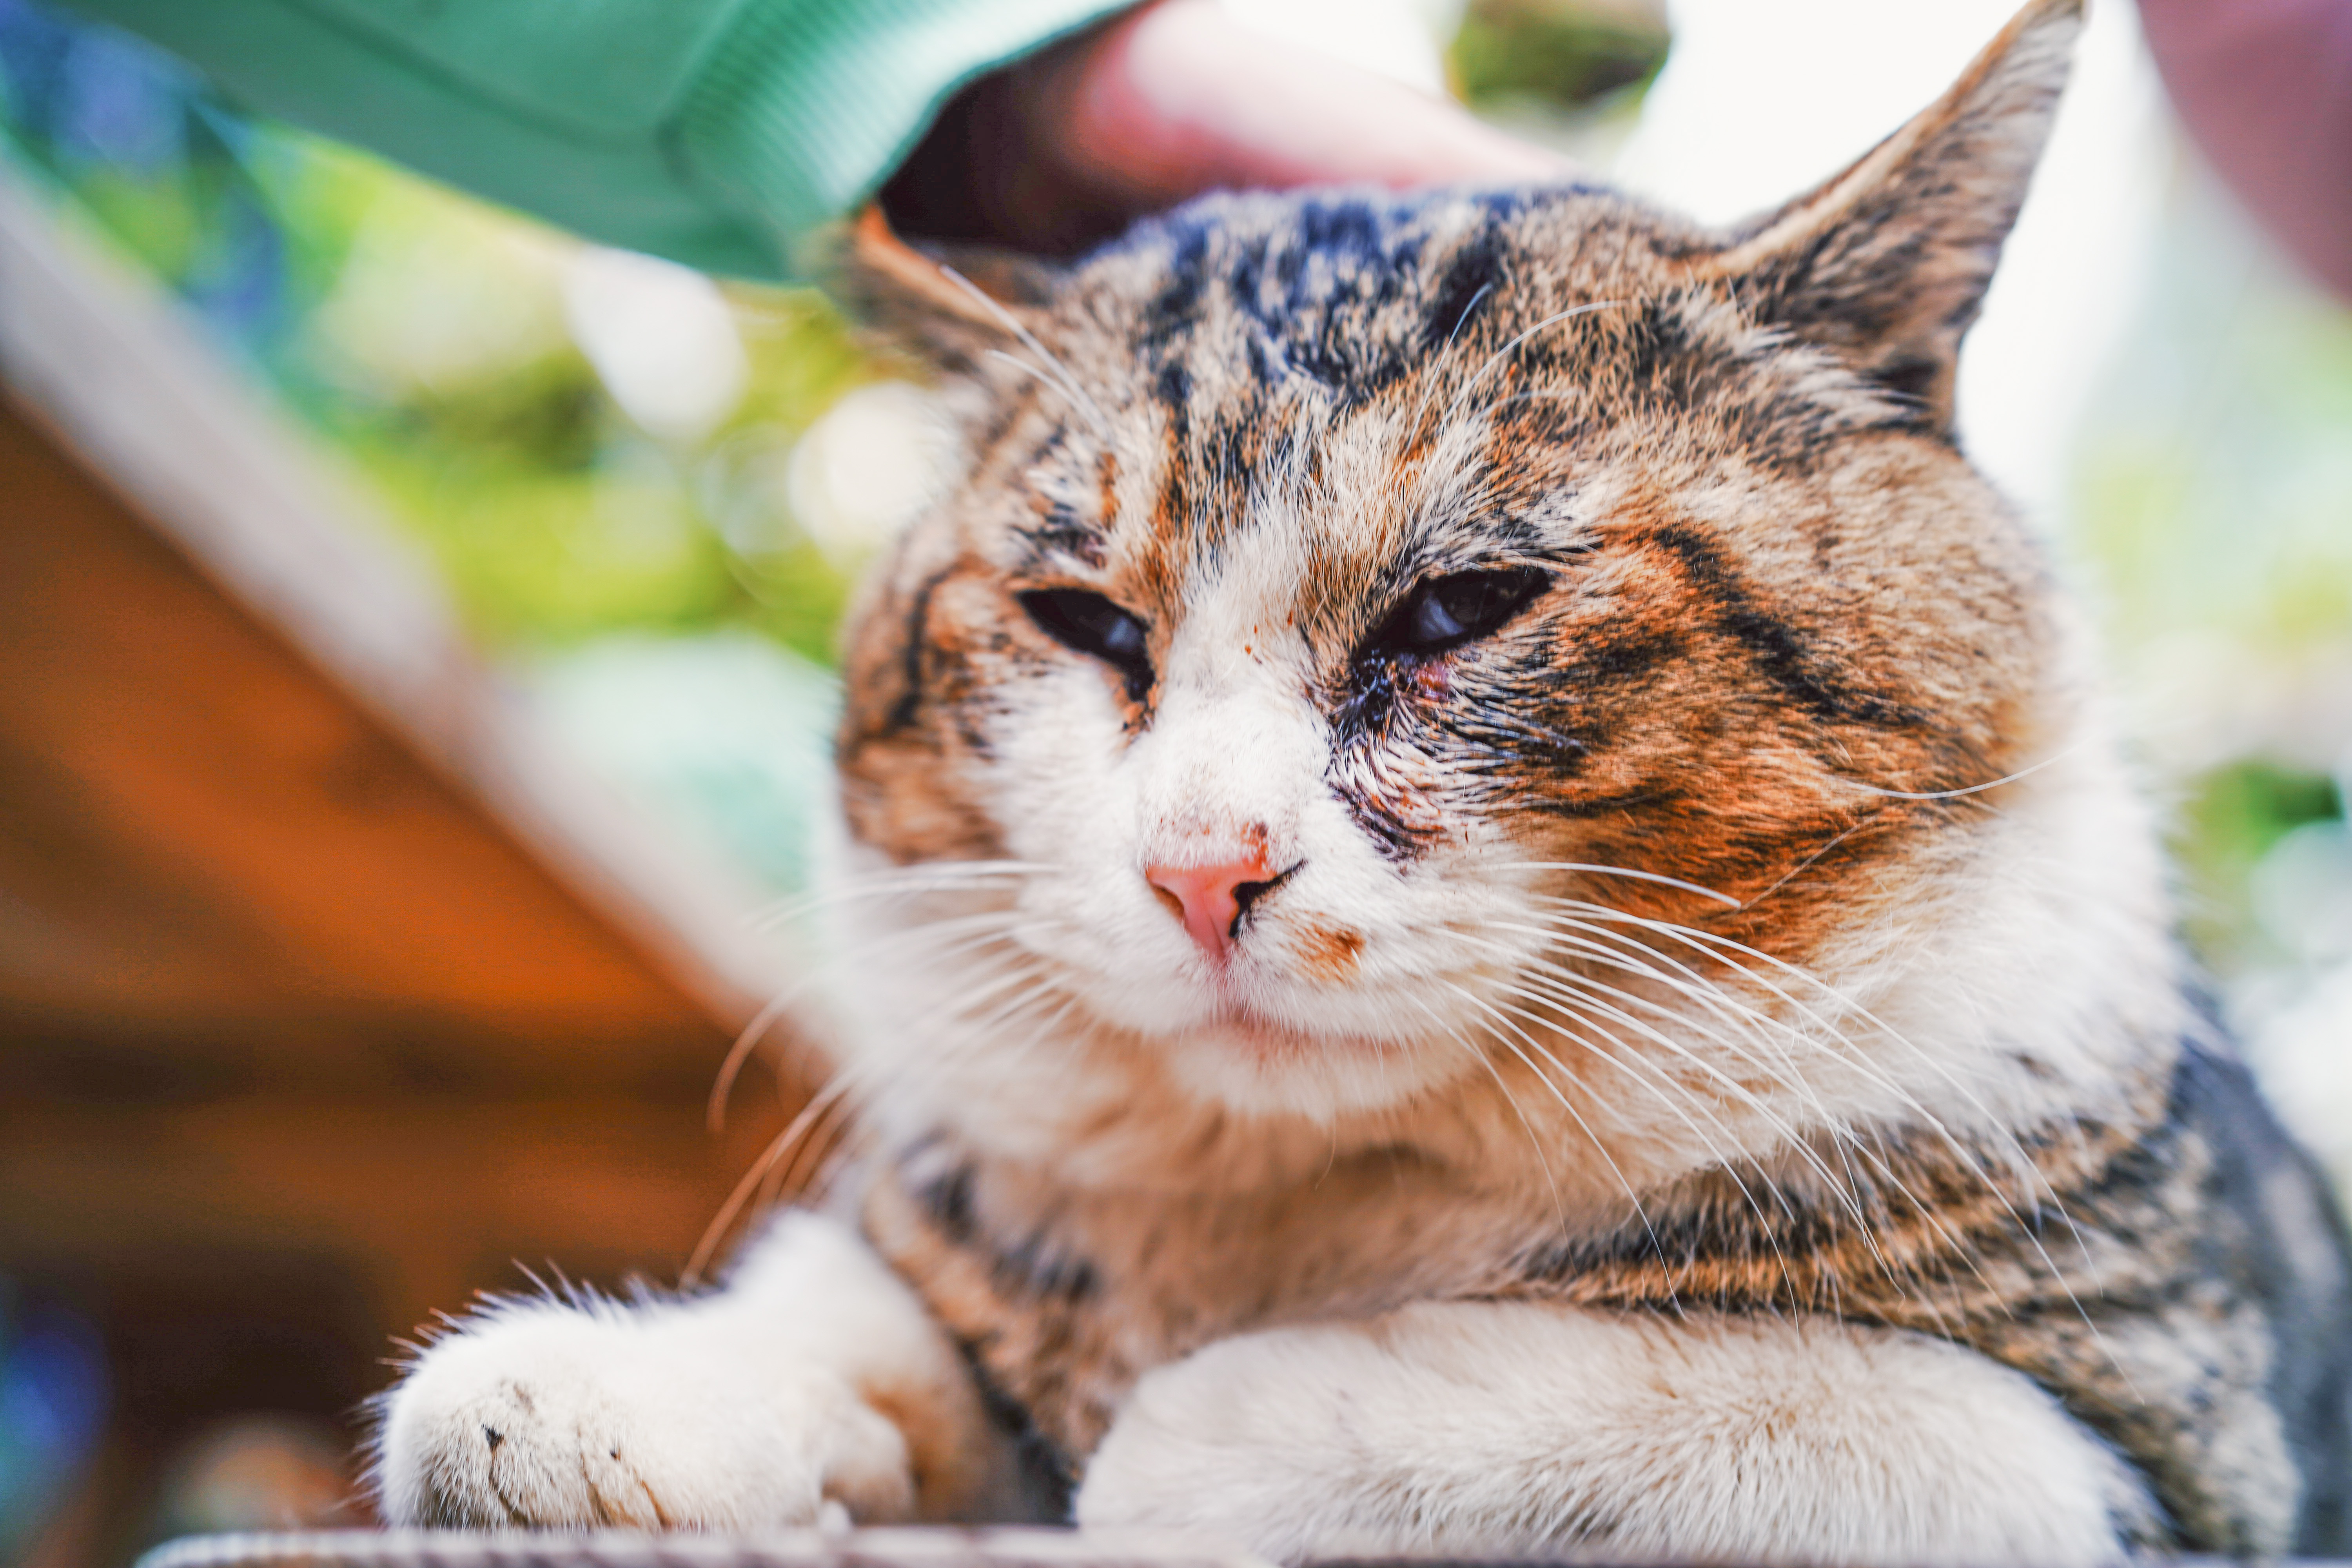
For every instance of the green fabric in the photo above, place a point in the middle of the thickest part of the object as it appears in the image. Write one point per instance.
(722, 134)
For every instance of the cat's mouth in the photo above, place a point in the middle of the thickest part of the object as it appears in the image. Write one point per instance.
(1238, 1004)
(1257, 1061)
(1260, 1002)
(1243, 1022)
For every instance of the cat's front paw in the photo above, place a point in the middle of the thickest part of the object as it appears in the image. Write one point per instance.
(546, 1414)
(1230, 1442)
(1516, 1430)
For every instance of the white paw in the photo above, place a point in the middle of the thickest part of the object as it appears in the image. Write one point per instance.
(546, 1414)
(1224, 1444)
(1504, 1430)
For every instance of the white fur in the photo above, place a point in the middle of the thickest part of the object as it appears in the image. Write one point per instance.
(756, 1406)
(1502, 1430)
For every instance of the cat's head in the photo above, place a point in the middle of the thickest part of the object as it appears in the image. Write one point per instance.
(1350, 596)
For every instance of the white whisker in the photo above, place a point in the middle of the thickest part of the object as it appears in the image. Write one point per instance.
(1599, 1147)
(1507, 349)
(991, 925)
(940, 876)
(2049, 762)
(1709, 942)
(1658, 877)
(1421, 406)
(1560, 1209)
(1068, 383)
(1723, 1159)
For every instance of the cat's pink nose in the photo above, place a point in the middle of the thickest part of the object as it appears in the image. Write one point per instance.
(1210, 899)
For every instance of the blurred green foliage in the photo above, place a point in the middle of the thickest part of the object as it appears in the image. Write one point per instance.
(2214, 510)
(553, 516)
(2219, 496)
(1559, 52)
(2236, 814)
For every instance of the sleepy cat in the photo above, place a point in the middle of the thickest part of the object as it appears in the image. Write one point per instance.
(1496, 916)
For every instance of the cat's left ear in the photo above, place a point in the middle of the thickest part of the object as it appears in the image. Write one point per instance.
(1886, 263)
(952, 307)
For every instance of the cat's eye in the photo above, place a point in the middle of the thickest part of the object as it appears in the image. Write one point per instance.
(1089, 623)
(1443, 612)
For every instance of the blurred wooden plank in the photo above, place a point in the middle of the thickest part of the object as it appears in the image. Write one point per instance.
(210, 847)
(420, 1201)
(117, 377)
(262, 1253)
(900, 1547)
(266, 789)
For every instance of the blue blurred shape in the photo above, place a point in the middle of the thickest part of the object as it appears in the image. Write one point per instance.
(122, 103)
(33, 51)
(53, 1403)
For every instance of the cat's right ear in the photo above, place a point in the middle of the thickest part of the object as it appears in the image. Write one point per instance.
(1886, 263)
(953, 308)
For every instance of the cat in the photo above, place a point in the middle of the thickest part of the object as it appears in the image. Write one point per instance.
(1494, 915)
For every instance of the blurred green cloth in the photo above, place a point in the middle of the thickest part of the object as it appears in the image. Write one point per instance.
(719, 133)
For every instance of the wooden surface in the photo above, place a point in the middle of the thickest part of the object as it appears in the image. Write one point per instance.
(299, 1042)
(269, 980)
(214, 853)
(901, 1548)
(117, 377)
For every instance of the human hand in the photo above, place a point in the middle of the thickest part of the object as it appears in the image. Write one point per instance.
(1165, 101)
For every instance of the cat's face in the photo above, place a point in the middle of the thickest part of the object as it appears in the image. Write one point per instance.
(1349, 595)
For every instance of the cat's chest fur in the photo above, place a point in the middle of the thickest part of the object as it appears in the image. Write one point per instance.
(1065, 1296)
